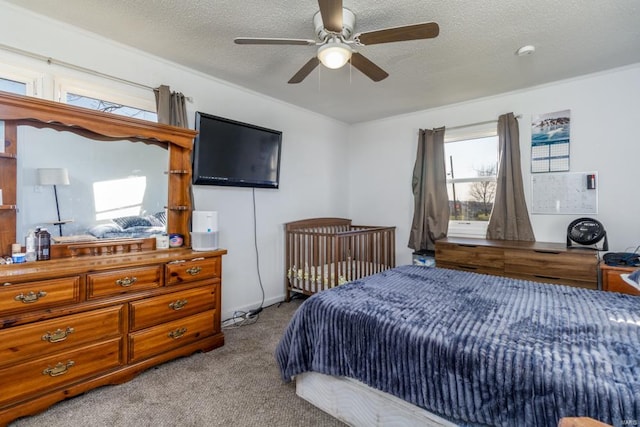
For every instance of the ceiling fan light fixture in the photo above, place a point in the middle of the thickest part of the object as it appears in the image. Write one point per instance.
(334, 54)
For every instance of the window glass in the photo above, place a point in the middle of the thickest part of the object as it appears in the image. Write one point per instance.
(471, 166)
(13, 86)
(109, 107)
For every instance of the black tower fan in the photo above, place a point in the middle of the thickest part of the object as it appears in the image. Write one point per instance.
(587, 233)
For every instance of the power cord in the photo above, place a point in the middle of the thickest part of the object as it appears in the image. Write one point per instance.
(256, 311)
(243, 318)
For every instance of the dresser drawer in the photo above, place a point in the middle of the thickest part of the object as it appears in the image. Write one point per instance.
(161, 338)
(573, 266)
(470, 255)
(122, 281)
(192, 270)
(57, 370)
(39, 294)
(156, 310)
(59, 334)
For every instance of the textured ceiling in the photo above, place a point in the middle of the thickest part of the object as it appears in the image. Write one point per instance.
(472, 57)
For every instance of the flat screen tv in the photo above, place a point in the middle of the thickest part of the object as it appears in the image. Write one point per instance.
(231, 153)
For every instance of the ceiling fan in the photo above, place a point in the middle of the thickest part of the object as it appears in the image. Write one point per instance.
(336, 46)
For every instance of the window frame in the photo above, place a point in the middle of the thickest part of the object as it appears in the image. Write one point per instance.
(142, 99)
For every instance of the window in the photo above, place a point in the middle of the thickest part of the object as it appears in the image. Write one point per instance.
(13, 86)
(130, 102)
(20, 81)
(471, 157)
(110, 107)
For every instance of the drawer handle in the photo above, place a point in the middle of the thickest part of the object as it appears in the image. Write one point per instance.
(58, 335)
(194, 270)
(127, 281)
(30, 297)
(59, 369)
(177, 333)
(179, 304)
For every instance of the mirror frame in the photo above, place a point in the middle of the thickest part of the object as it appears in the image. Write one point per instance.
(18, 110)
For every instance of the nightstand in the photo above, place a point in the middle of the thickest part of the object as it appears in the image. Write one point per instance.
(611, 280)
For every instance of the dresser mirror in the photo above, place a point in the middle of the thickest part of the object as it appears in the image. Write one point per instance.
(108, 180)
(151, 161)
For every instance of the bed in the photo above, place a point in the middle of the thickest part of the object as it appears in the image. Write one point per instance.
(131, 226)
(473, 349)
(321, 253)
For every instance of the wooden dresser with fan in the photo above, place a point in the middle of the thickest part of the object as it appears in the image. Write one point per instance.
(536, 261)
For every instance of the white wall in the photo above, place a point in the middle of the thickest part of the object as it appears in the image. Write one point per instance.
(314, 164)
(605, 109)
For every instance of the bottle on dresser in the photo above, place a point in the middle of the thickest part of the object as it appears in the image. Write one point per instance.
(43, 244)
(30, 246)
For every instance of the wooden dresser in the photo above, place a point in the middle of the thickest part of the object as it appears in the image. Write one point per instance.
(98, 312)
(73, 324)
(611, 280)
(537, 261)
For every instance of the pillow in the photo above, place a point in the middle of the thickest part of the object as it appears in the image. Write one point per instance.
(155, 222)
(632, 278)
(101, 230)
(161, 216)
(132, 221)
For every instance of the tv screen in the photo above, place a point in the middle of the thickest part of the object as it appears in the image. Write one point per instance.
(231, 153)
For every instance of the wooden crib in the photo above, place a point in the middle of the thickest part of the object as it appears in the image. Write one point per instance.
(325, 252)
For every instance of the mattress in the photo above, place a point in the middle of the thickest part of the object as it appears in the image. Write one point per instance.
(473, 348)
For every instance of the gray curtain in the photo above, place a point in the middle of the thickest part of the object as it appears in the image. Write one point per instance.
(171, 107)
(431, 202)
(509, 217)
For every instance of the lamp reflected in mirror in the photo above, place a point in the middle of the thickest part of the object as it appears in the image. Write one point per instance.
(54, 177)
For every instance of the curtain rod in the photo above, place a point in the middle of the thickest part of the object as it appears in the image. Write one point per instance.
(52, 61)
(519, 116)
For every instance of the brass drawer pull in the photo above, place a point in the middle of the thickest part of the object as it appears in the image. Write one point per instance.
(59, 369)
(58, 335)
(126, 282)
(177, 333)
(194, 270)
(30, 297)
(179, 304)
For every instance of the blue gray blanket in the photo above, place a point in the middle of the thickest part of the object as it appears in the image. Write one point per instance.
(474, 348)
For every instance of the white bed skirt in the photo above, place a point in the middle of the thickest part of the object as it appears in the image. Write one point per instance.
(357, 404)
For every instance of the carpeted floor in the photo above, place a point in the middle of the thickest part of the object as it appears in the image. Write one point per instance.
(235, 385)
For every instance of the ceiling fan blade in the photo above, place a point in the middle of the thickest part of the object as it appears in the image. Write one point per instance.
(331, 12)
(267, 40)
(305, 70)
(426, 30)
(368, 68)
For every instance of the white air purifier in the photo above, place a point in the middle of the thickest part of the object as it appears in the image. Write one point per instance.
(204, 234)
